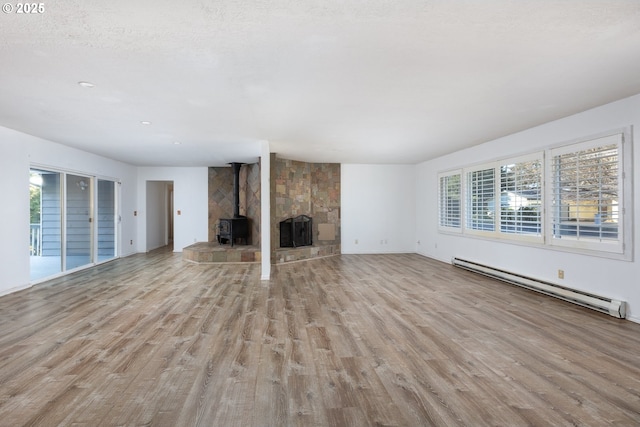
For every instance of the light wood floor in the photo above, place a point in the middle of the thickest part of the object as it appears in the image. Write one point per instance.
(351, 340)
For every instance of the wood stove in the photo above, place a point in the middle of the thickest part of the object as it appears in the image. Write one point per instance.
(230, 229)
(296, 232)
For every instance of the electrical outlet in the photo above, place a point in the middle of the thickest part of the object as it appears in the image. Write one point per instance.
(131, 242)
(560, 274)
(356, 241)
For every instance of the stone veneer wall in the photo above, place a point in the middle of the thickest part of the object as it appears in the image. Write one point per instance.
(325, 199)
(300, 188)
(250, 188)
(221, 198)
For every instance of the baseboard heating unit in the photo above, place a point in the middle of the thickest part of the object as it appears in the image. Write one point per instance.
(599, 303)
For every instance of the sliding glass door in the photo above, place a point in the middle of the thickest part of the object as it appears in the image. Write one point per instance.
(45, 240)
(107, 220)
(79, 218)
(73, 222)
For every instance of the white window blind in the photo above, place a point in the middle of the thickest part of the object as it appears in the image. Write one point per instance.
(587, 193)
(521, 197)
(480, 207)
(450, 191)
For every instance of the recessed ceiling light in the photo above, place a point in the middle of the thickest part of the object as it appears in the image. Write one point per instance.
(177, 142)
(86, 84)
(145, 122)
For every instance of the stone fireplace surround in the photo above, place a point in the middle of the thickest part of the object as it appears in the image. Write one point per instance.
(297, 188)
(221, 199)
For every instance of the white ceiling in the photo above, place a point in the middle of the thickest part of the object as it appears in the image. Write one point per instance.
(352, 81)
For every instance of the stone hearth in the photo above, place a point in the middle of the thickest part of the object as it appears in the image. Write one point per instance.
(212, 252)
(305, 252)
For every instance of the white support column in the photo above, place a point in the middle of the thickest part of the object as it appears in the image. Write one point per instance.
(265, 210)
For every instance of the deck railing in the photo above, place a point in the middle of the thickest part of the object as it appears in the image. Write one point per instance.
(35, 238)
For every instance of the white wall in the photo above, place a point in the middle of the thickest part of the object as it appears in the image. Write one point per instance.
(377, 208)
(17, 152)
(14, 217)
(190, 197)
(614, 278)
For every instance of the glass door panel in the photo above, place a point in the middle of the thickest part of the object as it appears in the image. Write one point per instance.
(78, 221)
(45, 237)
(106, 218)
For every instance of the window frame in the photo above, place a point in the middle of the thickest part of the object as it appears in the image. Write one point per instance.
(524, 237)
(496, 232)
(615, 247)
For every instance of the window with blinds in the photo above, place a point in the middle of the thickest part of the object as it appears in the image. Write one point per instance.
(481, 200)
(521, 197)
(586, 191)
(450, 190)
(571, 197)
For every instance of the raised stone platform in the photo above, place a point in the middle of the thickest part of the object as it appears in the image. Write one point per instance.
(211, 252)
(305, 252)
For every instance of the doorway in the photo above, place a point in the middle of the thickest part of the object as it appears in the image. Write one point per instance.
(159, 216)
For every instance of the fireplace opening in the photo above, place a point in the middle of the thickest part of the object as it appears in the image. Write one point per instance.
(296, 232)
